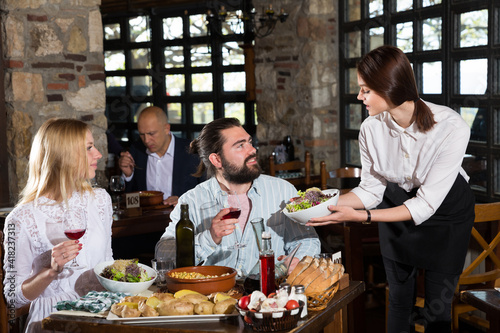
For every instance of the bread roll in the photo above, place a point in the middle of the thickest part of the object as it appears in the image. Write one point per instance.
(301, 266)
(309, 270)
(321, 286)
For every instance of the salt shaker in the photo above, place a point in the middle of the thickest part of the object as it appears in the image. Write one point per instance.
(301, 296)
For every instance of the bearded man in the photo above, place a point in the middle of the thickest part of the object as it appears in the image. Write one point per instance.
(230, 162)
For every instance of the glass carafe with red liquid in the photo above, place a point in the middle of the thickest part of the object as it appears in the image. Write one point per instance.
(266, 258)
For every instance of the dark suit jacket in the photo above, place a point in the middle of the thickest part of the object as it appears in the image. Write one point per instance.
(185, 164)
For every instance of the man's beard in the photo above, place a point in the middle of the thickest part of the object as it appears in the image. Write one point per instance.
(240, 175)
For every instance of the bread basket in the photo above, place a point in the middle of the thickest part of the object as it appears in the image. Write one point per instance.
(271, 321)
(319, 301)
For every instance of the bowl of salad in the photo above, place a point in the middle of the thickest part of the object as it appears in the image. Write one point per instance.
(125, 276)
(311, 203)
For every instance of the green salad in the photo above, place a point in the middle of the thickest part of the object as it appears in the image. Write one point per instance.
(125, 271)
(310, 198)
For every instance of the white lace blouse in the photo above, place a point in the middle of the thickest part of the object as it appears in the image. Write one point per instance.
(30, 233)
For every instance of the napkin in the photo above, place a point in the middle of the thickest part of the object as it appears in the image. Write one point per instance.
(93, 301)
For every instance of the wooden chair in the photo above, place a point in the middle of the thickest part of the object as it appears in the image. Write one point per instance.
(352, 174)
(487, 218)
(300, 183)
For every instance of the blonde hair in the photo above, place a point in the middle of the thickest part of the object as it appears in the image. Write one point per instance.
(58, 163)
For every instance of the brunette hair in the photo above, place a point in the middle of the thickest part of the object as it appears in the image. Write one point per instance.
(387, 71)
(58, 163)
(210, 141)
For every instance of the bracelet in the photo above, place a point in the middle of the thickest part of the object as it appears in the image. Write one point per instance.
(368, 218)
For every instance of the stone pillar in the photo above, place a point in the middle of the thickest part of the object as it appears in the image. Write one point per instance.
(296, 69)
(54, 67)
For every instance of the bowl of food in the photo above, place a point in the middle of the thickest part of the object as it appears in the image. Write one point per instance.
(150, 198)
(311, 203)
(203, 279)
(125, 276)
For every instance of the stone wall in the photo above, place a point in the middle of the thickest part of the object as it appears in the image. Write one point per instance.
(54, 67)
(296, 69)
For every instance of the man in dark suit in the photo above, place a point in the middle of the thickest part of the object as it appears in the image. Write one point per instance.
(161, 161)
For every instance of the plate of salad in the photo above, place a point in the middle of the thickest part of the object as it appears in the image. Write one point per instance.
(125, 275)
(311, 203)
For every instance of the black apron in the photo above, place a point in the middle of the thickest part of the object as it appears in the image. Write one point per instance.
(438, 244)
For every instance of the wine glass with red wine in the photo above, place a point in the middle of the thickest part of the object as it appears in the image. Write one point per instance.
(230, 200)
(74, 226)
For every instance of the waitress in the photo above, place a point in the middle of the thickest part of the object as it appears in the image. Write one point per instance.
(411, 156)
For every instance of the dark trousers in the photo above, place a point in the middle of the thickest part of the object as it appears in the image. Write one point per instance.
(439, 290)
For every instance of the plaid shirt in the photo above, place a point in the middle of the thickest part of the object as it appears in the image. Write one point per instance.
(94, 301)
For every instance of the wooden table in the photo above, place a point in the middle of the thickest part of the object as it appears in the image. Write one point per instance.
(486, 300)
(354, 235)
(314, 322)
(151, 220)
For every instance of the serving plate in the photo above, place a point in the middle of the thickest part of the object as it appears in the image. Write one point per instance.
(169, 319)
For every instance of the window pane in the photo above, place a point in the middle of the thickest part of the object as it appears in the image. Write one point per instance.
(197, 26)
(476, 119)
(404, 5)
(432, 74)
(354, 116)
(376, 37)
(353, 44)
(496, 176)
(234, 81)
(352, 81)
(233, 24)
(427, 3)
(118, 111)
(376, 8)
(202, 82)
(174, 113)
(352, 152)
(175, 84)
(115, 86)
(200, 56)
(232, 54)
(137, 108)
(474, 28)
(172, 28)
(473, 76)
(353, 10)
(404, 37)
(236, 110)
(114, 60)
(203, 113)
(139, 29)
(140, 58)
(112, 31)
(174, 57)
(496, 126)
(475, 166)
(432, 30)
(141, 86)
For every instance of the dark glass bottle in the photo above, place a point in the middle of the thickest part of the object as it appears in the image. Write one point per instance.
(289, 148)
(267, 274)
(184, 239)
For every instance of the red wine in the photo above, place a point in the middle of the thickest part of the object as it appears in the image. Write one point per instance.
(267, 282)
(234, 213)
(74, 233)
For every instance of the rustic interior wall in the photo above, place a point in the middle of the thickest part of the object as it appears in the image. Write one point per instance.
(54, 67)
(296, 69)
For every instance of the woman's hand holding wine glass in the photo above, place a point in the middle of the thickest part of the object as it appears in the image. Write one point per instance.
(74, 226)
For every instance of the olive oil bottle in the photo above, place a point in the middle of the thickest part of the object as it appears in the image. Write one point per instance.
(184, 239)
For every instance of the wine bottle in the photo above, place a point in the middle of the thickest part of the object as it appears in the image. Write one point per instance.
(290, 149)
(184, 239)
(266, 258)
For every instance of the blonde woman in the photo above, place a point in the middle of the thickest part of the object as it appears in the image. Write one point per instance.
(63, 159)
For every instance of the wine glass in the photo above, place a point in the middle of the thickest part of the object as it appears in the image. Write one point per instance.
(74, 226)
(230, 200)
(117, 186)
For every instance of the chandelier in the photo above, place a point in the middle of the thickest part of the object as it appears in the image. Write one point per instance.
(259, 24)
